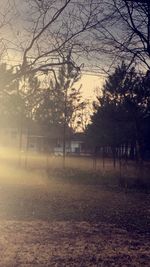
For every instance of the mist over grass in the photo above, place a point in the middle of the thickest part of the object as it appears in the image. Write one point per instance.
(78, 170)
(70, 195)
(74, 216)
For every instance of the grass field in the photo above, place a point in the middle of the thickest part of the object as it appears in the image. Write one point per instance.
(70, 217)
(128, 174)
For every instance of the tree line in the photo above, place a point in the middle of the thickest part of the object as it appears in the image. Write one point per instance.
(53, 104)
(46, 35)
(121, 119)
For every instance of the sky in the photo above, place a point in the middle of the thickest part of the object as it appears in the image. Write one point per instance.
(90, 84)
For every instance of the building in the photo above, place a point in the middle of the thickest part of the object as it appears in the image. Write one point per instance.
(35, 138)
(74, 145)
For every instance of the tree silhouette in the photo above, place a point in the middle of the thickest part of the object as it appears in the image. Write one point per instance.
(122, 111)
(61, 101)
(127, 30)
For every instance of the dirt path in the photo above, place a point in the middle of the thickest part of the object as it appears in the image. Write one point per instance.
(47, 223)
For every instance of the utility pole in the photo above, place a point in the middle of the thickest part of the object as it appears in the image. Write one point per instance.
(64, 129)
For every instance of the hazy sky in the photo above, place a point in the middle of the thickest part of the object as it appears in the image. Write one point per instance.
(89, 82)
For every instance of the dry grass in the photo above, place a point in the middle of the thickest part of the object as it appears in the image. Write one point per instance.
(69, 217)
(78, 244)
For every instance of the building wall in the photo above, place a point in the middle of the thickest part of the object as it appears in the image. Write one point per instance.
(71, 147)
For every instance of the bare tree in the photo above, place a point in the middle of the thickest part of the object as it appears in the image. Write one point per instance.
(6, 17)
(46, 30)
(127, 30)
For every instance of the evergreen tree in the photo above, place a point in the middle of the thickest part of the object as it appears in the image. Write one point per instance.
(61, 101)
(18, 97)
(122, 111)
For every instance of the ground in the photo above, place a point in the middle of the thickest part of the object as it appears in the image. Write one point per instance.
(41, 243)
(46, 221)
